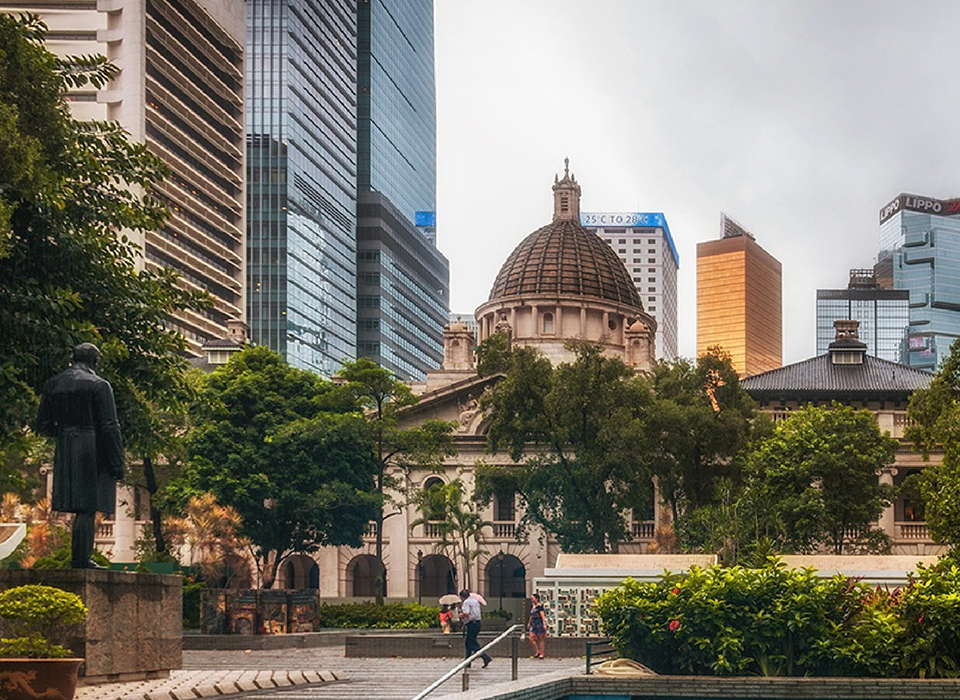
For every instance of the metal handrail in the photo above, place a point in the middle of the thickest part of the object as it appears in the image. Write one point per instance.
(463, 664)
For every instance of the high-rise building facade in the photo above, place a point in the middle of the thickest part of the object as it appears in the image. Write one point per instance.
(739, 300)
(644, 244)
(302, 171)
(920, 242)
(180, 91)
(403, 294)
(397, 103)
(883, 315)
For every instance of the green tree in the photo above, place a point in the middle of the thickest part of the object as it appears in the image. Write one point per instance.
(698, 421)
(288, 451)
(574, 432)
(69, 197)
(449, 509)
(934, 415)
(396, 448)
(815, 480)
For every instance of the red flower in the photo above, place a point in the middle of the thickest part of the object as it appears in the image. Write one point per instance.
(675, 591)
(674, 625)
(920, 619)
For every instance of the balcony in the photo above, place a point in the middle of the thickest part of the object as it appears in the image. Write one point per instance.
(504, 530)
(911, 531)
(642, 530)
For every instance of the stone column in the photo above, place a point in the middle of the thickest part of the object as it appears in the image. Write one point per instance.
(583, 322)
(125, 525)
(887, 523)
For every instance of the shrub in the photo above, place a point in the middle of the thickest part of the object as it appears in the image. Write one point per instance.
(764, 621)
(930, 610)
(372, 616)
(36, 619)
(61, 557)
(191, 602)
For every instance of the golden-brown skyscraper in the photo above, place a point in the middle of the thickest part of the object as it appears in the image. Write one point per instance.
(739, 300)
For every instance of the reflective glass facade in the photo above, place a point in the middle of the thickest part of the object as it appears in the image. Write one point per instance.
(403, 291)
(924, 249)
(884, 315)
(302, 174)
(397, 103)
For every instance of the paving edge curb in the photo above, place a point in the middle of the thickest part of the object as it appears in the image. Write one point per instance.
(215, 684)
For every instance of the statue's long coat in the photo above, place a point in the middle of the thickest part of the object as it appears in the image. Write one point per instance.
(77, 408)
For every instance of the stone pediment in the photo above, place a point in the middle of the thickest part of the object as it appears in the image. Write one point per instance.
(457, 401)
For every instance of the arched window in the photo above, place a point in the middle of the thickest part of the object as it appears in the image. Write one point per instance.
(436, 576)
(548, 323)
(361, 576)
(506, 577)
(301, 571)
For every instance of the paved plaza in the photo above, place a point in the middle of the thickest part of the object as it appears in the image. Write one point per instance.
(320, 674)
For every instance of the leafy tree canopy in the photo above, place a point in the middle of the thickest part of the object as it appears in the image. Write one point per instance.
(583, 423)
(816, 479)
(68, 272)
(288, 451)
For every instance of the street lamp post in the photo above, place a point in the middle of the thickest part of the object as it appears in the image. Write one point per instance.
(419, 576)
(500, 565)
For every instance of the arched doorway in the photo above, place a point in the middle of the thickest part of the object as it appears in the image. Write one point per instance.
(362, 576)
(506, 577)
(437, 576)
(301, 571)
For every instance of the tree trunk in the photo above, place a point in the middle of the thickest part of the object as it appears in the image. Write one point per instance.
(270, 570)
(156, 515)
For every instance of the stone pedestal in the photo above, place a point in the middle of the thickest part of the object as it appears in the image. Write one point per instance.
(134, 628)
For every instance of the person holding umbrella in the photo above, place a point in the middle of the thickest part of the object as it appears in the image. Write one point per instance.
(470, 616)
(447, 605)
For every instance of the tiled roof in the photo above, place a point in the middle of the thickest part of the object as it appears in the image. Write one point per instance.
(819, 377)
(565, 258)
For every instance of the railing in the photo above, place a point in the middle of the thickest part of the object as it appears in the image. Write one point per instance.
(600, 648)
(504, 529)
(431, 529)
(643, 530)
(104, 531)
(473, 657)
(371, 529)
(912, 531)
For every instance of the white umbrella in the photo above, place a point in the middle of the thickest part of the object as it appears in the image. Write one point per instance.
(450, 599)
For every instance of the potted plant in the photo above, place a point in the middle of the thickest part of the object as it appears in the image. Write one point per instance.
(33, 663)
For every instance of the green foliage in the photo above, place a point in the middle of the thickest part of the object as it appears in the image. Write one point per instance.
(66, 189)
(816, 479)
(373, 616)
(286, 449)
(191, 602)
(61, 557)
(583, 421)
(499, 613)
(774, 621)
(36, 618)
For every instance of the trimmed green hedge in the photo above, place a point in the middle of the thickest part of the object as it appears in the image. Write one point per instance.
(778, 622)
(372, 616)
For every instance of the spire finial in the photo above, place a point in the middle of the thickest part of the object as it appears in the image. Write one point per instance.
(566, 167)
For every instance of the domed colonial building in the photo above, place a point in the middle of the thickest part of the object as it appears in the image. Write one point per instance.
(561, 283)
(565, 283)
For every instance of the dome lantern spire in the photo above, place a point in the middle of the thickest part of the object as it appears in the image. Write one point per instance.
(566, 196)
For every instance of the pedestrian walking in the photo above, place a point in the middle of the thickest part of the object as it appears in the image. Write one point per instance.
(537, 626)
(470, 616)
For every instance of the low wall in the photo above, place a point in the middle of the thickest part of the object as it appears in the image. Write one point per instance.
(434, 645)
(134, 626)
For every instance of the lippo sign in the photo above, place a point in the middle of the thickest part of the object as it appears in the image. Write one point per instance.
(911, 202)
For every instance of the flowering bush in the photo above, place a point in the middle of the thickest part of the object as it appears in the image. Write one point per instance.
(774, 621)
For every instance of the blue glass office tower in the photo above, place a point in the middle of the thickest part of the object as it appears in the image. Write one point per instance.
(302, 179)
(920, 241)
(404, 281)
(884, 315)
(397, 105)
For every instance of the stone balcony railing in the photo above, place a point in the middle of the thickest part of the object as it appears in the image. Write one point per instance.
(911, 531)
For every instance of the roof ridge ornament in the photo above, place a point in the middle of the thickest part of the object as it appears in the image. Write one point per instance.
(566, 196)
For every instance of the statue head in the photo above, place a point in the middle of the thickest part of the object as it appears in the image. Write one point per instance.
(86, 354)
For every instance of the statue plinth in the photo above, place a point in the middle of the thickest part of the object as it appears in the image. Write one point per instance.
(134, 626)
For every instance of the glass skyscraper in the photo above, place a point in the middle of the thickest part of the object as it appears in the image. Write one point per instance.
(302, 179)
(403, 280)
(884, 315)
(397, 105)
(920, 240)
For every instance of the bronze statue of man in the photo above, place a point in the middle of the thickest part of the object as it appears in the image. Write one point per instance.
(77, 408)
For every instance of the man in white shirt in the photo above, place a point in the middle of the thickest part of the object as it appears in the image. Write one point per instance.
(470, 616)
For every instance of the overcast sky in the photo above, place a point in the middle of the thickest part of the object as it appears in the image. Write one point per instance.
(799, 119)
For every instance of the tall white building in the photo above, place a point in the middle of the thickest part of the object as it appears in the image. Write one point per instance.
(644, 244)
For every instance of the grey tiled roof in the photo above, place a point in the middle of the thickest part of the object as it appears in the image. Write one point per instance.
(819, 378)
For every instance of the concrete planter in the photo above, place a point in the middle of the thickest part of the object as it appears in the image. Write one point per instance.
(29, 679)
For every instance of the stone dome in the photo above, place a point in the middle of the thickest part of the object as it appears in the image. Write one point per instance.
(564, 258)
